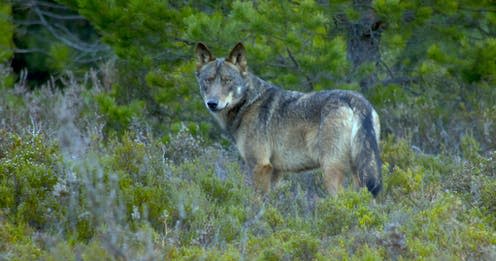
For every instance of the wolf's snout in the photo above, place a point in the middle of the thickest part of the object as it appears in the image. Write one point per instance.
(212, 104)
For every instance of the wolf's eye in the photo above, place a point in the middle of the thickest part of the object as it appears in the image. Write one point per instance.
(209, 80)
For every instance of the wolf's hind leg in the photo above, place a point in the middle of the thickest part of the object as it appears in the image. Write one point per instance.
(333, 178)
(262, 176)
(276, 177)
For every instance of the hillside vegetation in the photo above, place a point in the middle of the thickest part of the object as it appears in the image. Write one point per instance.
(107, 152)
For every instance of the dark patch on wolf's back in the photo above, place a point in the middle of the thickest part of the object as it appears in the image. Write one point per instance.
(269, 100)
(303, 106)
(316, 105)
(287, 101)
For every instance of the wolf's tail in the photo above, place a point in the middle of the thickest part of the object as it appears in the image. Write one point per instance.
(365, 154)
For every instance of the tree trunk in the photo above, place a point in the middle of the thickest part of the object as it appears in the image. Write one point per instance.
(363, 38)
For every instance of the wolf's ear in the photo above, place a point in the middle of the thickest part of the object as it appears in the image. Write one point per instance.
(238, 58)
(203, 55)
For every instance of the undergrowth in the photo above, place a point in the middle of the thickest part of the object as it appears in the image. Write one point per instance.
(72, 191)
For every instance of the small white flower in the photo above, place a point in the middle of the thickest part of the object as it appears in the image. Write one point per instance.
(136, 213)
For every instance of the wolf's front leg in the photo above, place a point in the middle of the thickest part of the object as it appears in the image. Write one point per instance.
(262, 175)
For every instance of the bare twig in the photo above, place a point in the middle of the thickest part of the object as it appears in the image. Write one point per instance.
(30, 50)
(80, 46)
(390, 73)
(298, 68)
(48, 4)
(62, 17)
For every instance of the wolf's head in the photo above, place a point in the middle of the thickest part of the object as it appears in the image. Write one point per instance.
(222, 80)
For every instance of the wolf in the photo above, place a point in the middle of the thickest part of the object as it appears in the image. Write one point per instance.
(278, 131)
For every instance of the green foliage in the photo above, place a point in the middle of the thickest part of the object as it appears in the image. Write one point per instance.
(487, 196)
(432, 78)
(470, 147)
(16, 242)
(27, 179)
(6, 78)
(285, 244)
(429, 57)
(60, 55)
(6, 44)
(199, 253)
(7, 29)
(157, 62)
(118, 117)
(347, 211)
(46, 40)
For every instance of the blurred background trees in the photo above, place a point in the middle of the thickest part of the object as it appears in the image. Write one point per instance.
(428, 66)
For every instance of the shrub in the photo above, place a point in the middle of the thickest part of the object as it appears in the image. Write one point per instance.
(137, 195)
(16, 241)
(283, 245)
(28, 174)
(348, 211)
